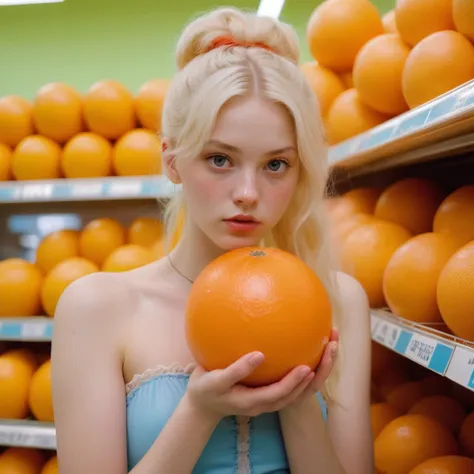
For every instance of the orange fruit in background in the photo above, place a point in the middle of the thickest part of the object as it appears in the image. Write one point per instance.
(325, 84)
(445, 465)
(57, 111)
(16, 119)
(145, 231)
(20, 286)
(417, 19)
(347, 79)
(21, 461)
(149, 103)
(366, 252)
(36, 157)
(446, 55)
(100, 237)
(40, 398)
(419, 260)
(381, 414)
(359, 200)
(60, 277)
(389, 24)
(56, 247)
(463, 16)
(455, 215)
(466, 435)
(137, 153)
(87, 155)
(455, 292)
(15, 380)
(409, 440)
(51, 466)
(447, 410)
(289, 320)
(337, 29)
(378, 72)
(411, 203)
(159, 249)
(109, 109)
(5, 163)
(382, 360)
(127, 257)
(349, 116)
(403, 396)
(346, 226)
(26, 356)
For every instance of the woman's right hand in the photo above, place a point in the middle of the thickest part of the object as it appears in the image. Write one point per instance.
(220, 393)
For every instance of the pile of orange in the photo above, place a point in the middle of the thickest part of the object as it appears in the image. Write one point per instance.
(104, 244)
(62, 133)
(369, 68)
(411, 246)
(422, 423)
(28, 461)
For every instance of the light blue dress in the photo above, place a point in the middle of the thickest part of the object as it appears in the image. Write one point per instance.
(237, 446)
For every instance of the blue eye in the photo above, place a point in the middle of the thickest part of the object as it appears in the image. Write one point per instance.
(219, 161)
(276, 165)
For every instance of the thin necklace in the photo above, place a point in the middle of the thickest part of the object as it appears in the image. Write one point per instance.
(178, 271)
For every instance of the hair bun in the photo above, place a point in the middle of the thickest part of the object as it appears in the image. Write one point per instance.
(199, 35)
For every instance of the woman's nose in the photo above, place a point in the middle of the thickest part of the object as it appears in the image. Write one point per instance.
(246, 192)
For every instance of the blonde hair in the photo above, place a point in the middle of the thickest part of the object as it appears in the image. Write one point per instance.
(207, 79)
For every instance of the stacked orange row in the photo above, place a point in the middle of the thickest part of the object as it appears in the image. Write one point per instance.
(370, 68)
(62, 133)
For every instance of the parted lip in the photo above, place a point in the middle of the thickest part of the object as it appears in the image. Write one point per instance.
(242, 218)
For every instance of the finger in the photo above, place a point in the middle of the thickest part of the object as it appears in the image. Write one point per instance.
(240, 369)
(297, 392)
(334, 337)
(325, 367)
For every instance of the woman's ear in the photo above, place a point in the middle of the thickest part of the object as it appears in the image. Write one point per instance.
(169, 163)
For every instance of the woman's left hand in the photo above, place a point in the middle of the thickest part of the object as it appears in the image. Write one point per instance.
(323, 370)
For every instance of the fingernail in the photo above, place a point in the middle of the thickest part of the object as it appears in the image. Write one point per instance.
(304, 371)
(256, 358)
(334, 350)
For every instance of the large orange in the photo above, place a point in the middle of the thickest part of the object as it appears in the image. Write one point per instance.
(455, 215)
(325, 84)
(137, 153)
(455, 292)
(349, 116)
(409, 440)
(149, 103)
(51, 466)
(466, 435)
(40, 398)
(20, 287)
(446, 55)
(56, 247)
(411, 203)
(378, 72)
(16, 119)
(366, 252)
(419, 260)
(5, 163)
(381, 414)
(60, 277)
(100, 237)
(145, 231)
(36, 157)
(337, 29)
(417, 19)
(15, 380)
(447, 410)
(445, 465)
(463, 16)
(21, 461)
(109, 109)
(128, 257)
(57, 111)
(271, 301)
(87, 155)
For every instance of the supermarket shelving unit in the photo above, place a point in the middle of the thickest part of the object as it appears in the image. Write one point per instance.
(436, 136)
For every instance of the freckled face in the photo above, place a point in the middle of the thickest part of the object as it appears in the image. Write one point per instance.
(241, 184)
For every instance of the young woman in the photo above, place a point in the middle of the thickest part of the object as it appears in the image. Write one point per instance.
(242, 134)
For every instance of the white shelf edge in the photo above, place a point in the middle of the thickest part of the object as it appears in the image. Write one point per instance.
(27, 434)
(433, 349)
(32, 329)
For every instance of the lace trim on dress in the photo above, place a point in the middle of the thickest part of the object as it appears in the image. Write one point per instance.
(148, 374)
(243, 445)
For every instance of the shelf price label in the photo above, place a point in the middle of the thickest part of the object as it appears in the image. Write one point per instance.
(86, 190)
(33, 330)
(461, 367)
(421, 349)
(386, 333)
(33, 192)
(14, 438)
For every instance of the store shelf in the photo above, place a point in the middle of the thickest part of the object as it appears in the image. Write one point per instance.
(436, 350)
(28, 434)
(437, 129)
(63, 190)
(36, 328)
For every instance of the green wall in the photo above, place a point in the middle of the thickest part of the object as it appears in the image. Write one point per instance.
(82, 41)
